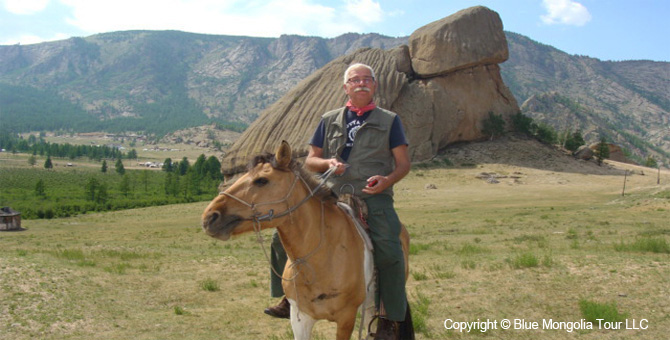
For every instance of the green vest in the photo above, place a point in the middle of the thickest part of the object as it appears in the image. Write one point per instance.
(370, 154)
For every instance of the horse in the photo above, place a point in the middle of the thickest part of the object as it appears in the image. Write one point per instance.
(330, 269)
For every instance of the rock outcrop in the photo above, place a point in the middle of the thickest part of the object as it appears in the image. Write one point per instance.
(443, 85)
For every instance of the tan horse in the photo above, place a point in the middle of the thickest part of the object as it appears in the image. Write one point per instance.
(329, 268)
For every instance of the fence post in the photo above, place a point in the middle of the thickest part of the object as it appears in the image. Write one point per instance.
(623, 192)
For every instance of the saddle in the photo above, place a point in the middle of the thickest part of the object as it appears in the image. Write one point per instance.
(359, 207)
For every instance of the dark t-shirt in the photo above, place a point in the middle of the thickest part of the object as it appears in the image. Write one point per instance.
(354, 122)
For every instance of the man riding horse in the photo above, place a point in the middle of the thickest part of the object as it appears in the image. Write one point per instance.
(367, 147)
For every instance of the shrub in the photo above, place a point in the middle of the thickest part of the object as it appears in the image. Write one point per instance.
(522, 123)
(493, 126)
(209, 285)
(574, 141)
(545, 133)
(526, 260)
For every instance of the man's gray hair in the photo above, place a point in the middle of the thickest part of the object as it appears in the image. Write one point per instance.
(357, 65)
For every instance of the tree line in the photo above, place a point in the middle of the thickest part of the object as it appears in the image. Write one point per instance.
(38, 146)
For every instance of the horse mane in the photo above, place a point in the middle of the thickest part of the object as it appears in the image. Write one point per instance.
(324, 193)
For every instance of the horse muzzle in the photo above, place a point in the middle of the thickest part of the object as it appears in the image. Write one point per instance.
(220, 226)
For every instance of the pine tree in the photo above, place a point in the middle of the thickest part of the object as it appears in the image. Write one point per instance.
(651, 162)
(104, 166)
(91, 188)
(101, 196)
(167, 165)
(574, 141)
(183, 166)
(48, 164)
(119, 167)
(213, 168)
(40, 189)
(124, 186)
(602, 151)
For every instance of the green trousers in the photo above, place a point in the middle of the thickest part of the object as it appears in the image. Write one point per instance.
(278, 261)
(388, 257)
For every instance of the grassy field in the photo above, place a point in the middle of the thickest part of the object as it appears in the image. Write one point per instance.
(539, 245)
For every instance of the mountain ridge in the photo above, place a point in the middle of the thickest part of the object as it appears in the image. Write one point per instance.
(160, 81)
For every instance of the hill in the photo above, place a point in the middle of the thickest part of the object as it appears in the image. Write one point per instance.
(158, 82)
(626, 102)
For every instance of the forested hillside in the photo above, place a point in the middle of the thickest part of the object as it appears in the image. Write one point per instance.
(156, 82)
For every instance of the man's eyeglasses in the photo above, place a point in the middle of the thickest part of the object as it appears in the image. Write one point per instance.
(366, 80)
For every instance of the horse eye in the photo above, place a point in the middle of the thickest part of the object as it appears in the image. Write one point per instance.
(261, 181)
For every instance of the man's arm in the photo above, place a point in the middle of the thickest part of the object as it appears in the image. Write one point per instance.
(315, 161)
(402, 166)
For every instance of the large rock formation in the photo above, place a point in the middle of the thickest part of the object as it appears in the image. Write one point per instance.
(443, 85)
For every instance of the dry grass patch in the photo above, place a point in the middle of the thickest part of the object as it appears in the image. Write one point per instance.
(528, 249)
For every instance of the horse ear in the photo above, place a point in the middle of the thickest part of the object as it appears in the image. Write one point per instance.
(283, 155)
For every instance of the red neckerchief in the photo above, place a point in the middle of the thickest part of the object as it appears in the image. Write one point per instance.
(360, 111)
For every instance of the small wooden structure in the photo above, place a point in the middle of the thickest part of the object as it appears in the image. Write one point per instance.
(10, 219)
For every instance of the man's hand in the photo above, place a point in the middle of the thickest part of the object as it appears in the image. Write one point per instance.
(340, 167)
(376, 184)
(315, 162)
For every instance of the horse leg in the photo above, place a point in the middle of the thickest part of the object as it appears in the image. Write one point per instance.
(301, 323)
(346, 323)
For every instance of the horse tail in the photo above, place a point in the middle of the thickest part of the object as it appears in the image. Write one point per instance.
(406, 328)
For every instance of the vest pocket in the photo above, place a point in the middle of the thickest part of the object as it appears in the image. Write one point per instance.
(370, 136)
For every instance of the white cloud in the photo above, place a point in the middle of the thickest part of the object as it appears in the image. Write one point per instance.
(25, 6)
(28, 39)
(367, 11)
(565, 12)
(230, 17)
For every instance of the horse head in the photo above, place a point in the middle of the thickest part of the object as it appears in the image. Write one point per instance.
(254, 197)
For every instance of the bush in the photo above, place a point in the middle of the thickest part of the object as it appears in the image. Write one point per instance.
(545, 133)
(493, 126)
(574, 141)
(522, 123)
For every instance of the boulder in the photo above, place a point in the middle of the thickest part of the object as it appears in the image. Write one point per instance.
(584, 153)
(437, 109)
(471, 37)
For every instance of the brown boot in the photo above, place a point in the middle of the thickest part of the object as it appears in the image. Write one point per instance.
(281, 310)
(386, 330)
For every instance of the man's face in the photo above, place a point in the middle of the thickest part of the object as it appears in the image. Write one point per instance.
(360, 86)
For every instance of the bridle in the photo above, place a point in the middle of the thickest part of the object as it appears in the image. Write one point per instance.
(257, 217)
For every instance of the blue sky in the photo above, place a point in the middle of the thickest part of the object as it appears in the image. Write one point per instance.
(603, 29)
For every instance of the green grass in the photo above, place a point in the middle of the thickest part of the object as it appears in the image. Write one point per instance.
(607, 312)
(645, 244)
(525, 260)
(210, 285)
